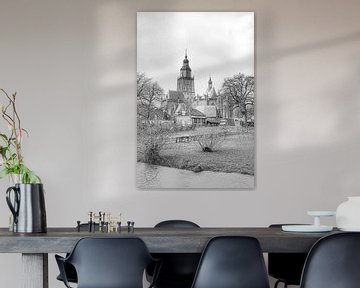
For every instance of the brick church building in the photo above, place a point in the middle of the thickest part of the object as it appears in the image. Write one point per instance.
(186, 108)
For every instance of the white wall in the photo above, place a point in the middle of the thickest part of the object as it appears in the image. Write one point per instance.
(73, 65)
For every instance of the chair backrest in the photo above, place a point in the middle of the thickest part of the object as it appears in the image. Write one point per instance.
(333, 262)
(178, 269)
(176, 224)
(286, 267)
(232, 262)
(110, 262)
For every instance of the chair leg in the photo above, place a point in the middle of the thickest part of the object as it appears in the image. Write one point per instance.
(279, 281)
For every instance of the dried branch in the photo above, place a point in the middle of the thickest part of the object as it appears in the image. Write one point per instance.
(11, 155)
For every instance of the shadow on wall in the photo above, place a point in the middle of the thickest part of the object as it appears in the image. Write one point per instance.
(310, 47)
(307, 119)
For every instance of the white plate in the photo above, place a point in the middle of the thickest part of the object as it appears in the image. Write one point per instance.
(306, 228)
(321, 213)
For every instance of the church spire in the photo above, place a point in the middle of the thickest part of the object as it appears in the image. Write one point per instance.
(185, 70)
(186, 62)
(185, 82)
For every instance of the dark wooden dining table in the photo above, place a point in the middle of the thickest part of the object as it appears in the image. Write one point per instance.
(35, 247)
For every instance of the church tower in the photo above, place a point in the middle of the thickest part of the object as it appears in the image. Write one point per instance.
(210, 93)
(185, 82)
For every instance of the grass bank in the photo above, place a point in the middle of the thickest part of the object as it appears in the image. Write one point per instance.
(236, 153)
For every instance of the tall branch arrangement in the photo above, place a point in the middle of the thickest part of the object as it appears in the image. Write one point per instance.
(11, 158)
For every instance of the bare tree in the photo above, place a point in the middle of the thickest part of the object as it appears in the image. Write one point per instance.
(238, 89)
(149, 95)
(210, 139)
(151, 142)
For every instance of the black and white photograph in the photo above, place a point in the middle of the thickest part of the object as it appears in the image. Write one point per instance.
(195, 100)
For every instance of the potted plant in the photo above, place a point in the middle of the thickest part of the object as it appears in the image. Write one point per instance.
(12, 161)
(26, 198)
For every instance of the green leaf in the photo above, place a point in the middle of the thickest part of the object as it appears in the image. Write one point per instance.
(4, 137)
(33, 177)
(3, 151)
(27, 175)
(26, 132)
(13, 156)
(4, 173)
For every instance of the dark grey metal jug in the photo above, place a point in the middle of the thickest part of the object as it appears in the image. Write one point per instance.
(28, 207)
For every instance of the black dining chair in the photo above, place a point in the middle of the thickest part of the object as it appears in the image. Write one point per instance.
(178, 269)
(70, 271)
(286, 267)
(232, 262)
(333, 262)
(108, 263)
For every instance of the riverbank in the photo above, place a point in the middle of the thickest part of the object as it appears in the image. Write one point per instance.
(235, 155)
(159, 177)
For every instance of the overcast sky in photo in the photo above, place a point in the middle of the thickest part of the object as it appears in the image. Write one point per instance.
(218, 44)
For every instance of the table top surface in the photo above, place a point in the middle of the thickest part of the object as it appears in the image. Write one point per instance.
(158, 240)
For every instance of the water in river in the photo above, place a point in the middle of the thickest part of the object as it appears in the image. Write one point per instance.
(157, 177)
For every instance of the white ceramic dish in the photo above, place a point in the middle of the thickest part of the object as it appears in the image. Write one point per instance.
(321, 213)
(306, 228)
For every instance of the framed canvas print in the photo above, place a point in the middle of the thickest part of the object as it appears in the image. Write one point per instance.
(195, 100)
